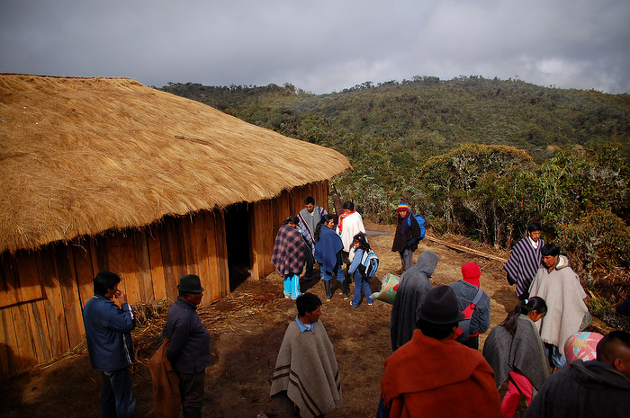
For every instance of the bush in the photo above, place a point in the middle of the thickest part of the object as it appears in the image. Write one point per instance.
(598, 239)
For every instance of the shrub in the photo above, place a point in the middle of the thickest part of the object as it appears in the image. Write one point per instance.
(597, 239)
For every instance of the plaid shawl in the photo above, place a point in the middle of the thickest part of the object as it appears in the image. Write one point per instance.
(288, 251)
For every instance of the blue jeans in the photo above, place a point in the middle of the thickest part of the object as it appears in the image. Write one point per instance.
(117, 399)
(557, 358)
(338, 273)
(308, 274)
(359, 282)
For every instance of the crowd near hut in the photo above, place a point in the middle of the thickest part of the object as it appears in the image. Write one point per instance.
(109, 174)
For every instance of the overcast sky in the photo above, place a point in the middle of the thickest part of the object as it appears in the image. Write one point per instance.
(320, 46)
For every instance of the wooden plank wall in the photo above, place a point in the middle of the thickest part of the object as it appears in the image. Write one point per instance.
(267, 216)
(42, 294)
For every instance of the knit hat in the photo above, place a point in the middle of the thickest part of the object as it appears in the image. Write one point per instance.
(440, 307)
(190, 283)
(471, 273)
(402, 206)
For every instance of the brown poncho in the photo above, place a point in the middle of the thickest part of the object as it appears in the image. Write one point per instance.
(306, 374)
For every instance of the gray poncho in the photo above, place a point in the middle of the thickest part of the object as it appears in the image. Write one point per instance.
(412, 289)
(523, 352)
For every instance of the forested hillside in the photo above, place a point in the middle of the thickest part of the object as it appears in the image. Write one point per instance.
(427, 116)
(479, 157)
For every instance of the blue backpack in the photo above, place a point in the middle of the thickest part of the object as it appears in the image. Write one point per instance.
(369, 264)
(423, 230)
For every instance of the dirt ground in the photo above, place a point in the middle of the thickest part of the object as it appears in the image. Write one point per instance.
(246, 331)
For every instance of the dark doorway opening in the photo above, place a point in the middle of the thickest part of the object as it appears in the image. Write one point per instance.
(238, 243)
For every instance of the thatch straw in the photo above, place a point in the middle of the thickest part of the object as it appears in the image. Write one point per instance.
(83, 156)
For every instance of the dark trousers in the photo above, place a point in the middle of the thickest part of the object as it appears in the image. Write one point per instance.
(472, 342)
(309, 261)
(117, 399)
(406, 259)
(191, 389)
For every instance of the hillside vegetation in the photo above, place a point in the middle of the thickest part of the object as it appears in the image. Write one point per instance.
(479, 157)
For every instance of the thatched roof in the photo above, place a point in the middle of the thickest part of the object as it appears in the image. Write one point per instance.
(80, 156)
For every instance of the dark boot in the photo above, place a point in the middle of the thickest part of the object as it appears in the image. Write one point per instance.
(345, 288)
(327, 287)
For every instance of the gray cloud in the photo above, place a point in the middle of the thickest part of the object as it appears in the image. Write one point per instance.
(321, 46)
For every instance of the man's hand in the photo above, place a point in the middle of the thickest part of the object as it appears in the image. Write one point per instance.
(121, 296)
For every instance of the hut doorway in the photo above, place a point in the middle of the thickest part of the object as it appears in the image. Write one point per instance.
(238, 243)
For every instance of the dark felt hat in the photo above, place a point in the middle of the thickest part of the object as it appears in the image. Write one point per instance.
(440, 307)
(190, 283)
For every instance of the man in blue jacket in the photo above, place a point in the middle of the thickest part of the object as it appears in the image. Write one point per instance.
(107, 330)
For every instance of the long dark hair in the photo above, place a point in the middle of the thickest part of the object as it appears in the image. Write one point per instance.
(291, 220)
(524, 307)
(325, 218)
(363, 244)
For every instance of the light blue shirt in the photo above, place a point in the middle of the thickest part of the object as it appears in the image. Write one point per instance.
(303, 327)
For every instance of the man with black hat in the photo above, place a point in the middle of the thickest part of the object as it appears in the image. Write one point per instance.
(189, 349)
(433, 375)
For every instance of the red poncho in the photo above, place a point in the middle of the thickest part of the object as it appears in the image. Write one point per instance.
(432, 378)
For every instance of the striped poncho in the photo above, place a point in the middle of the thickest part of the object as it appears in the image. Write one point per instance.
(308, 222)
(306, 374)
(523, 264)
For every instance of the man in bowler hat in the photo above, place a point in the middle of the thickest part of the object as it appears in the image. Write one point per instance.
(433, 375)
(189, 349)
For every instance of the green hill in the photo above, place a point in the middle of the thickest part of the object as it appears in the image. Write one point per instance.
(475, 156)
(427, 116)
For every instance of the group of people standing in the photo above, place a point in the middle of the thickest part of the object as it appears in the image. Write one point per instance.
(434, 372)
(430, 373)
(313, 237)
(556, 283)
(537, 335)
